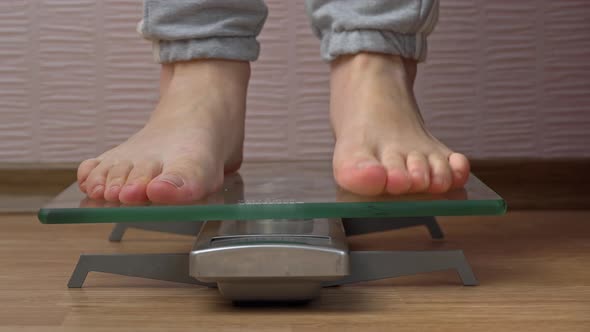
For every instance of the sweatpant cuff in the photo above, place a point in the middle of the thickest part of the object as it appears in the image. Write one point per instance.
(227, 48)
(410, 46)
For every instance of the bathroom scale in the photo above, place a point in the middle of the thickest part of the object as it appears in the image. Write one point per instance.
(276, 231)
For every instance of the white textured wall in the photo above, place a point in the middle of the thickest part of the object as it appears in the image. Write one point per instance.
(504, 79)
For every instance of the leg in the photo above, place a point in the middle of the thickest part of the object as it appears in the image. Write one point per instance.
(382, 144)
(168, 267)
(195, 134)
(358, 226)
(190, 228)
(375, 265)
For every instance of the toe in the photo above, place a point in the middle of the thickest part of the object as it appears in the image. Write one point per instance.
(419, 170)
(184, 181)
(398, 180)
(135, 189)
(360, 173)
(95, 183)
(116, 179)
(440, 173)
(84, 170)
(460, 168)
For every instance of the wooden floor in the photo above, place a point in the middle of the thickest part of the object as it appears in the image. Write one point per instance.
(534, 269)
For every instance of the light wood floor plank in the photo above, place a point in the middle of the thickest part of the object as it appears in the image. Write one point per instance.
(534, 269)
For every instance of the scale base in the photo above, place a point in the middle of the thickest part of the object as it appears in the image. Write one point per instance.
(285, 284)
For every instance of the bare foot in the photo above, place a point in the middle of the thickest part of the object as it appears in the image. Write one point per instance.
(193, 137)
(382, 145)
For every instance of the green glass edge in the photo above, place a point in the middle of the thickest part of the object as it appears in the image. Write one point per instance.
(275, 211)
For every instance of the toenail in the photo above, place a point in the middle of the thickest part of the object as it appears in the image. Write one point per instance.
(97, 189)
(114, 187)
(367, 163)
(174, 180)
(458, 175)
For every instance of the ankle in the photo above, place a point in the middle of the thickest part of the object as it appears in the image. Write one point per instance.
(209, 73)
(372, 71)
(215, 65)
(208, 83)
(370, 63)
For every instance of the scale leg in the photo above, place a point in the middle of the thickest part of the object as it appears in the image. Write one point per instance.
(375, 265)
(168, 267)
(182, 228)
(357, 226)
(118, 232)
(434, 229)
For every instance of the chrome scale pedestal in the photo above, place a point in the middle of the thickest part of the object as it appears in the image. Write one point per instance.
(275, 260)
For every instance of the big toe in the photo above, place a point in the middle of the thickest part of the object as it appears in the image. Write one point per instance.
(183, 182)
(362, 174)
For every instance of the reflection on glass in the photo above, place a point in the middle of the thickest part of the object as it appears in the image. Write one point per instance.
(278, 191)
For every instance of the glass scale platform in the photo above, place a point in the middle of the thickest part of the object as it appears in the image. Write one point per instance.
(276, 232)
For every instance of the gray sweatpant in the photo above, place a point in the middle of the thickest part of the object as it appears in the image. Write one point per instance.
(227, 29)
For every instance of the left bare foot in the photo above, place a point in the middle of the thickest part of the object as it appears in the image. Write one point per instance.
(382, 145)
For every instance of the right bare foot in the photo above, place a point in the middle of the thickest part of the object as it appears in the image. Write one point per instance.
(193, 137)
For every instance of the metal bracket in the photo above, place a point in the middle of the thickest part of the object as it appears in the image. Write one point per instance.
(364, 265)
(182, 228)
(167, 267)
(357, 226)
(375, 265)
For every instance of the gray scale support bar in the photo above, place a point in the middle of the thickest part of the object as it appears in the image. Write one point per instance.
(358, 226)
(166, 267)
(365, 266)
(376, 265)
(182, 228)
